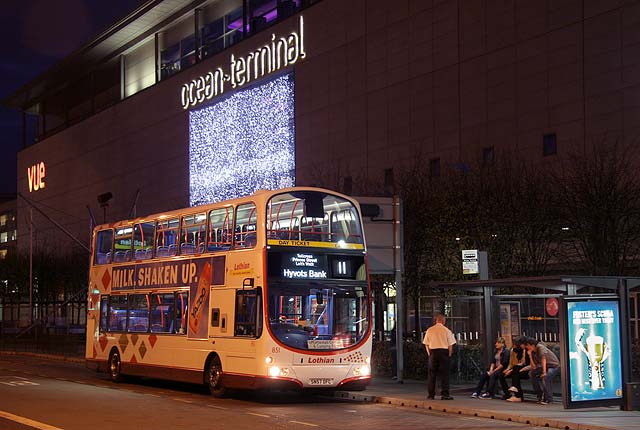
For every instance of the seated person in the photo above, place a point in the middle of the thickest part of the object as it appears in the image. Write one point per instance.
(491, 377)
(518, 369)
(544, 366)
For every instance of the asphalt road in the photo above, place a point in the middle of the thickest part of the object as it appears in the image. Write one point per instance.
(45, 394)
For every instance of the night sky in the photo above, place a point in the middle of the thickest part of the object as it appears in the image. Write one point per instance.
(36, 34)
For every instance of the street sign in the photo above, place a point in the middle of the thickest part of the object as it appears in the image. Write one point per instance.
(470, 262)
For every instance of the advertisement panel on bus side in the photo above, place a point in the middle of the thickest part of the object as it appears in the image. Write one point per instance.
(166, 274)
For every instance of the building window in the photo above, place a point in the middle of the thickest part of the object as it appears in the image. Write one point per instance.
(3, 220)
(549, 145)
(3, 254)
(12, 235)
(487, 155)
(4, 237)
(434, 168)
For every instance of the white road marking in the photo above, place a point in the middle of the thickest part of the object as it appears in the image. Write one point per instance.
(182, 400)
(259, 415)
(17, 381)
(217, 407)
(304, 424)
(27, 421)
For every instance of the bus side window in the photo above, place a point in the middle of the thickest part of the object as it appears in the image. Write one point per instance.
(181, 309)
(245, 227)
(104, 312)
(103, 247)
(118, 313)
(138, 314)
(220, 225)
(162, 306)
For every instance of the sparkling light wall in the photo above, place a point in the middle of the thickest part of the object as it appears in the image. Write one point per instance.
(243, 143)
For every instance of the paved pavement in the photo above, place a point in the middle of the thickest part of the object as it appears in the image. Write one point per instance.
(413, 394)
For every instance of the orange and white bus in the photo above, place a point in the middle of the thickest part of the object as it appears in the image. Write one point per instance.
(266, 291)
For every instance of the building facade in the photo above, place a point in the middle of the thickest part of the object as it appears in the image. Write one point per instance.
(8, 225)
(185, 102)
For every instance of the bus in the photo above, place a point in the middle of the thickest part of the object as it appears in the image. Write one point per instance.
(270, 291)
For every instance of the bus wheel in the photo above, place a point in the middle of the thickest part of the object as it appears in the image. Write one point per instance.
(214, 378)
(114, 366)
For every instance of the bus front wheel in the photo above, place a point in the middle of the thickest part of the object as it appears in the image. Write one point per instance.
(115, 366)
(214, 378)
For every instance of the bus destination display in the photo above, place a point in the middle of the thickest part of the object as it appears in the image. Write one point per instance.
(304, 265)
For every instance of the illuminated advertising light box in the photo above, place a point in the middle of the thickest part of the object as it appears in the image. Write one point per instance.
(591, 351)
(243, 143)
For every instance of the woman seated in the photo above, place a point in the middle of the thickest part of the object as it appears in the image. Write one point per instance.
(491, 377)
(518, 368)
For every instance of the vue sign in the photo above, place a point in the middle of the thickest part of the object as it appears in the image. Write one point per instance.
(35, 176)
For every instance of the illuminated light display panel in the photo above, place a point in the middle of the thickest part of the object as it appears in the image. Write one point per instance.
(243, 143)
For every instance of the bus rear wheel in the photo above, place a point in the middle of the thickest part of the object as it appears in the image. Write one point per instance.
(214, 378)
(115, 366)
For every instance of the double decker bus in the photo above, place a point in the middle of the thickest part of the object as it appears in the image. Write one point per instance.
(266, 291)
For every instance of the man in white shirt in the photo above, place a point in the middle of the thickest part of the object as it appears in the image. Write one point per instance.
(439, 341)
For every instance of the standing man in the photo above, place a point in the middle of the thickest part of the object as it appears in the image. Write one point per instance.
(439, 341)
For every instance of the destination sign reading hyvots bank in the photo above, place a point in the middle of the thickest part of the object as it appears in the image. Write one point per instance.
(304, 266)
(279, 53)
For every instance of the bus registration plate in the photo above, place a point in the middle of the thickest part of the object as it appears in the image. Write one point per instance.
(320, 381)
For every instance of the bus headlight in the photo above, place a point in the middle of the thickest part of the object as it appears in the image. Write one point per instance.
(274, 371)
(268, 360)
(362, 371)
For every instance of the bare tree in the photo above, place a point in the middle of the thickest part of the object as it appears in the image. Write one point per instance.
(600, 202)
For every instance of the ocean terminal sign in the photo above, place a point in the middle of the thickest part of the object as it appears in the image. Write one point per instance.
(279, 53)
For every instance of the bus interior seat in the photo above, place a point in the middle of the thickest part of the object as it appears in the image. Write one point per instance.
(200, 249)
(187, 248)
(250, 240)
(140, 254)
(173, 249)
(162, 251)
(119, 257)
(127, 255)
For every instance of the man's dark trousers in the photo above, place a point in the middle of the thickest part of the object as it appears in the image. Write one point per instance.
(438, 365)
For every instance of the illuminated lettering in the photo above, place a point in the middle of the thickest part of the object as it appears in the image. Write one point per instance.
(279, 53)
(35, 175)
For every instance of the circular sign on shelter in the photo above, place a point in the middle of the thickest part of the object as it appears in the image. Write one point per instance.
(552, 306)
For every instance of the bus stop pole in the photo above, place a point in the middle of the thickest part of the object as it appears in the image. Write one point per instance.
(487, 293)
(397, 269)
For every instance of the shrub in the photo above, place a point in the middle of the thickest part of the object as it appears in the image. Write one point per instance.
(466, 362)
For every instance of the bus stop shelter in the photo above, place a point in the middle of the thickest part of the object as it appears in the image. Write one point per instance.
(481, 310)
